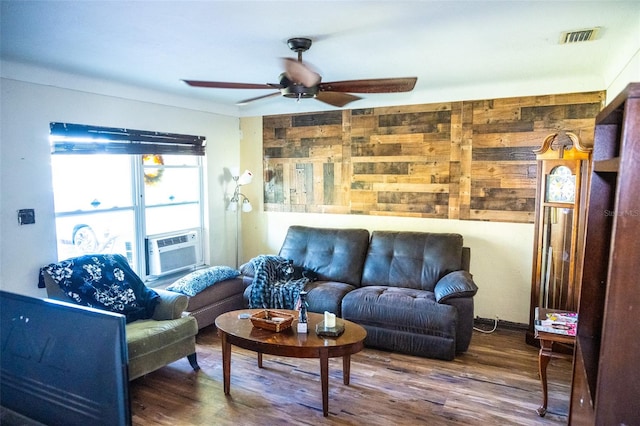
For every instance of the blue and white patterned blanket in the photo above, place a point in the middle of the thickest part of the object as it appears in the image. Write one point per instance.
(272, 287)
(103, 281)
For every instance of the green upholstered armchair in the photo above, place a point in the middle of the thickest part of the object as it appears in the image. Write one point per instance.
(155, 342)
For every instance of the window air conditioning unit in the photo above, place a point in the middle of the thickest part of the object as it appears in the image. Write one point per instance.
(172, 253)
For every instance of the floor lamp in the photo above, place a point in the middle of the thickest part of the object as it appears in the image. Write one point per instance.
(239, 202)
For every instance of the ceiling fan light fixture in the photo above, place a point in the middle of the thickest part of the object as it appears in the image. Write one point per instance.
(298, 91)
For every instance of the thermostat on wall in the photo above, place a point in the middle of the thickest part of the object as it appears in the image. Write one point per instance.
(26, 216)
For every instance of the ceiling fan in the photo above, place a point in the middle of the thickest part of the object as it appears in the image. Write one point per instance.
(298, 81)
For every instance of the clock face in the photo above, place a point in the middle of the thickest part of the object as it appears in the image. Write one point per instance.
(561, 186)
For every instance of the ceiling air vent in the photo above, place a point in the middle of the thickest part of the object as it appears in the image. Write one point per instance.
(579, 36)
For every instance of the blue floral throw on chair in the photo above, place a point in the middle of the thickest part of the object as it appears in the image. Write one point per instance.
(103, 281)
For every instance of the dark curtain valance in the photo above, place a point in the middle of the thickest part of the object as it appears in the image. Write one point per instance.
(81, 139)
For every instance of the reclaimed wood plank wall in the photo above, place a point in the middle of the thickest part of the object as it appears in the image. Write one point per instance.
(469, 160)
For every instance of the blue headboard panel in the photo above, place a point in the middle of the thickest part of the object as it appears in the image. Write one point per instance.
(62, 363)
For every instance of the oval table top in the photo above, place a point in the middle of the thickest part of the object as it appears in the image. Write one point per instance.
(241, 332)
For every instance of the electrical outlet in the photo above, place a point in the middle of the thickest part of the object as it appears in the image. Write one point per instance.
(26, 216)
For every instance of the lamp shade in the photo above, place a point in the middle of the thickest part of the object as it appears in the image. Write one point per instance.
(245, 178)
(246, 206)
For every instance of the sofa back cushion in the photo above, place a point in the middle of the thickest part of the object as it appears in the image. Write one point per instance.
(333, 254)
(411, 259)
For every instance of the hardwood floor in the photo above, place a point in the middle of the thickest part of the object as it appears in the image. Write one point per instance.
(496, 382)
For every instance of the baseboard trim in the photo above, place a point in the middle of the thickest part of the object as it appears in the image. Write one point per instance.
(502, 324)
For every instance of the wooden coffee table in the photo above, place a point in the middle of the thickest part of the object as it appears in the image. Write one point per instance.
(241, 332)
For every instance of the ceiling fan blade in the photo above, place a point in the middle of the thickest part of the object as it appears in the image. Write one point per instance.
(300, 73)
(376, 85)
(225, 85)
(246, 101)
(337, 99)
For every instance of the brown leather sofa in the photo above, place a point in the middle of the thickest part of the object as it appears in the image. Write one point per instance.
(411, 291)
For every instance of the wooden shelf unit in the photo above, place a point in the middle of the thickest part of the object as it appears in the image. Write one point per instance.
(606, 371)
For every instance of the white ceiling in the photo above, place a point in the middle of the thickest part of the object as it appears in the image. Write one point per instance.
(446, 44)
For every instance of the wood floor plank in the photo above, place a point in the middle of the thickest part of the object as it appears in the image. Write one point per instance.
(496, 382)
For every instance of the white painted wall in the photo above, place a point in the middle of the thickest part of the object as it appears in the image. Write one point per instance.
(25, 173)
(622, 77)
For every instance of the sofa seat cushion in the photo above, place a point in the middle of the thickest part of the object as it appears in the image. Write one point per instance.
(147, 336)
(322, 296)
(215, 293)
(327, 296)
(402, 309)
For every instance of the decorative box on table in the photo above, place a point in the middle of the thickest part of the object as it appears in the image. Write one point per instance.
(272, 320)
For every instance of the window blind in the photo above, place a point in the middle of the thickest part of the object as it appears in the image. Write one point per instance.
(69, 138)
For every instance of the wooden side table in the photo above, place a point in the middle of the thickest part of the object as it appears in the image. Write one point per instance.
(547, 341)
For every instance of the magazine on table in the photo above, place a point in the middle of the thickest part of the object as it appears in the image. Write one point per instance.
(559, 323)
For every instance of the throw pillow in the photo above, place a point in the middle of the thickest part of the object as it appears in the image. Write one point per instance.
(248, 269)
(197, 281)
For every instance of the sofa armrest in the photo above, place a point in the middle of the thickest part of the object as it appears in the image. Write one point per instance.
(170, 306)
(455, 284)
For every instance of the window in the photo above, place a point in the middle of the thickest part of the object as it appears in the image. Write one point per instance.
(113, 192)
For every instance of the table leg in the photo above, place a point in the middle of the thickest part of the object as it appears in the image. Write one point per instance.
(259, 359)
(226, 363)
(324, 379)
(346, 369)
(543, 361)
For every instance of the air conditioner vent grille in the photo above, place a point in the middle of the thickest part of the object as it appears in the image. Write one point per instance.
(172, 241)
(588, 34)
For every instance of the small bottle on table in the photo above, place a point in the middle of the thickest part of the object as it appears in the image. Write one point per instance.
(302, 313)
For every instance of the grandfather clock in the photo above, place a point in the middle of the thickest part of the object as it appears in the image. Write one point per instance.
(563, 171)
